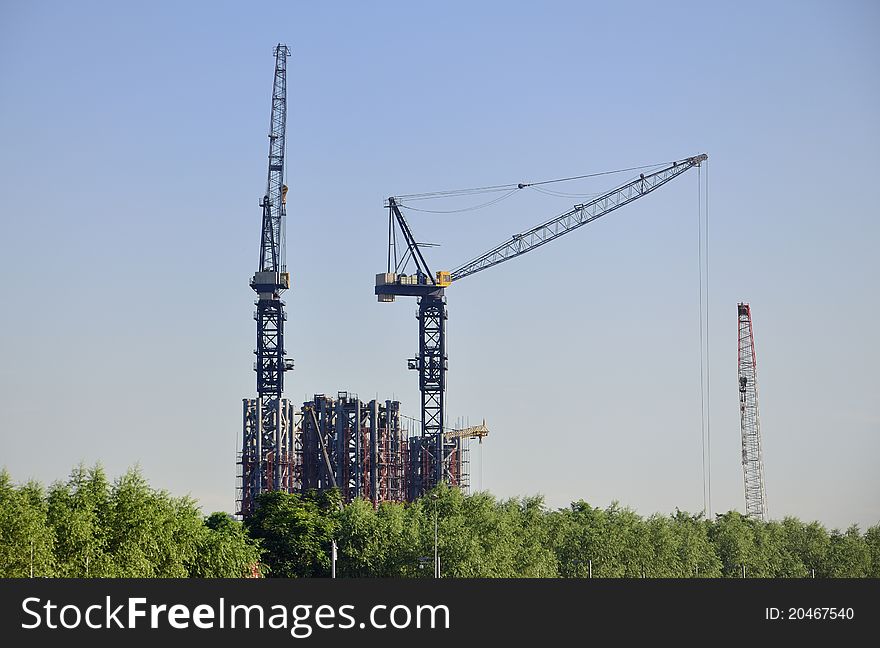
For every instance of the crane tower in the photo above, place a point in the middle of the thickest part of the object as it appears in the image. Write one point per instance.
(267, 438)
(752, 457)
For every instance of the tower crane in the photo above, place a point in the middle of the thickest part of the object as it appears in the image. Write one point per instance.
(472, 432)
(429, 288)
(267, 439)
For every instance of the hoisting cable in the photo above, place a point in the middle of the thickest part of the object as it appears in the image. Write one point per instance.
(592, 175)
(509, 189)
(514, 186)
(457, 192)
(703, 263)
(464, 209)
(708, 355)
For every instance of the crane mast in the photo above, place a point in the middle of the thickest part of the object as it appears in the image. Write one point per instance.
(267, 440)
(434, 453)
(752, 456)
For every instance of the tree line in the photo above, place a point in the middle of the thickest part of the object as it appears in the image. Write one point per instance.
(88, 527)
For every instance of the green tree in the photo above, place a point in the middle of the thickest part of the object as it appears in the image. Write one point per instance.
(809, 542)
(777, 557)
(87, 526)
(628, 551)
(296, 531)
(224, 549)
(580, 538)
(533, 553)
(849, 555)
(695, 552)
(489, 548)
(872, 541)
(479, 536)
(733, 536)
(362, 551)
(26, 539)
(78, 511)
(398, 528)
(149, 533)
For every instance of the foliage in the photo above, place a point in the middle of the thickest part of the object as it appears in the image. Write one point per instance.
(296, 531)
(848, 556)
(225, 550)
(26, 540)
(90, 527)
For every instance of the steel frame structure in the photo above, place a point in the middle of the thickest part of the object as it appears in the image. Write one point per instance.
(350, 460)
(750, 425)
(316, 452)
(267, 454)
(358, 447)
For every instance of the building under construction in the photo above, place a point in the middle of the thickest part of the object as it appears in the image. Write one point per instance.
(353, 445)
(361, 448)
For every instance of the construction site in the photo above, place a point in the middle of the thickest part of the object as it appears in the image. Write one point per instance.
(369, 449)
(416, 294)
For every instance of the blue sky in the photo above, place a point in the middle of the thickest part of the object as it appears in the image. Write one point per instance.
(134, 154)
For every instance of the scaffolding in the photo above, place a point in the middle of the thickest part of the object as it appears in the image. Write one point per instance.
(266, 461)
(433, 459)
(364, 449)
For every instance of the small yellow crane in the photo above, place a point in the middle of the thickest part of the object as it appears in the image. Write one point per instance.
(473, 432)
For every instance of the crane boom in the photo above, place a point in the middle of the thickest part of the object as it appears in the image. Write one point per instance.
(576, 217)
(472, 432)
(272, 246)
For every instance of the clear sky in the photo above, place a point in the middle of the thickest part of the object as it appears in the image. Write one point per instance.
(133, 155)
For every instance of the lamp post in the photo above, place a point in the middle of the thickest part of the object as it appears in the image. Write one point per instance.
(333, 559)
(435, 497)
(588, 562)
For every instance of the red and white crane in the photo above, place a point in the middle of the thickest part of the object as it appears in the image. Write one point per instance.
(752, 456)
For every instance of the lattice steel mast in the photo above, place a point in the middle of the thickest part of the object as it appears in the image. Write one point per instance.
(752, 456)
(267, 439)
(431, 361)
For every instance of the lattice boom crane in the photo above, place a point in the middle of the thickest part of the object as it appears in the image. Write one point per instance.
(752, 455)
(428, 287)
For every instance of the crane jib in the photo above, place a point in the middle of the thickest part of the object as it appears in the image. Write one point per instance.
(576, 217)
